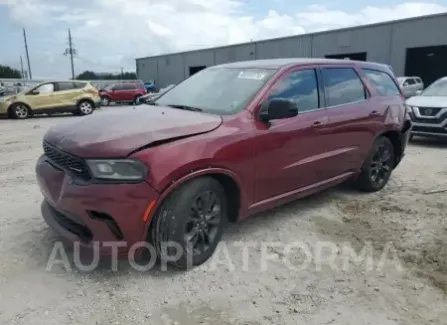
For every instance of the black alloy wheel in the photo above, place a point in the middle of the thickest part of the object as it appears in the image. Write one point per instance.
(381, 164)
(192, 216)
(202, 227)
(378, 166)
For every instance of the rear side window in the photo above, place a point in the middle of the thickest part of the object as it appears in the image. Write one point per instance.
(383, 82)
(79, 85)
(65, 86)
(300, 86)
(411, 81)
(342, 86)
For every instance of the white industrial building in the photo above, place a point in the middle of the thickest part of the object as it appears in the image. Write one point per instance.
(415, 46)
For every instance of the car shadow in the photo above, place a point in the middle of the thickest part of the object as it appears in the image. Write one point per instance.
(234, 232)
(39, 116)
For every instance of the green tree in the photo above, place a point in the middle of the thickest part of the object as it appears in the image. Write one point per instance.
(8, 72)
(90, 75)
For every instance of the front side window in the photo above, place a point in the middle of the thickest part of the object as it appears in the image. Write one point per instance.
(438, 88)
(382, 82)
(300, 86)
(342, 86)
(119, 87)
(45, 89)
(222, 91)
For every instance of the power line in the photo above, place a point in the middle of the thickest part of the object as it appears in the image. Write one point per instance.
(70, 51)
(27, 55)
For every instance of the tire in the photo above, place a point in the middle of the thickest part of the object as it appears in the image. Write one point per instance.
(19, 111)
(378, 166)
(85, 107)
(177, 218)
(105, 101)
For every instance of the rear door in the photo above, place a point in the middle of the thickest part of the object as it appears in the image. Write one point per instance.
(351, 118)
(66, 94)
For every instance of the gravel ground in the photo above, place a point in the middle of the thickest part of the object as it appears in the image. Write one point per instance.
(404, 227)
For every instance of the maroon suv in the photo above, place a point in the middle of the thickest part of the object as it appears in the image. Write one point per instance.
(125, 92)
(229, 141)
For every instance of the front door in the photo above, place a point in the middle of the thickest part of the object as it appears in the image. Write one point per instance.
(290, 152)
(42, 97)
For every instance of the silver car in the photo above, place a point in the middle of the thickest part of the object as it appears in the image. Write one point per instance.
(428, 110)
(410, 85)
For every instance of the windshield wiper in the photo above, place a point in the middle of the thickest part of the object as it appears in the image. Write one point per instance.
(187, 108)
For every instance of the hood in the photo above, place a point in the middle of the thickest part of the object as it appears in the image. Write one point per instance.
(427, 101)
(118, 132)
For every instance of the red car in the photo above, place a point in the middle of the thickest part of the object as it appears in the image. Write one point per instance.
(229, 141)
(125, 92)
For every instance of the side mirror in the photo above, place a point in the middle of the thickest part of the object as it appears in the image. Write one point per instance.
(278, 109)
(35, 92)
(418, 92)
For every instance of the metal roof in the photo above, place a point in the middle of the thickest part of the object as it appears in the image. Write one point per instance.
(353, 28)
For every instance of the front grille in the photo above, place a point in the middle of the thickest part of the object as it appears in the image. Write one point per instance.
(429, 111)
(439, 130)
(427, 119)
(73, 164)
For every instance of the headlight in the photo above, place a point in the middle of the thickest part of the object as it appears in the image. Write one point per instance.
(118, 169)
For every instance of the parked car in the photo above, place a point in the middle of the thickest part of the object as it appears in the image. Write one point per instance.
(150, 97)
(230, 141)
(429, 110)
(126, 92)
(150, 86)
(410, 85)
(77, 97)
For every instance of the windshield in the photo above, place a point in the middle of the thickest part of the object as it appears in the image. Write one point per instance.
(438, 88)
(221, 91)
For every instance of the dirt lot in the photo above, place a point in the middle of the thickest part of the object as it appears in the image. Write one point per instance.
(403, 220)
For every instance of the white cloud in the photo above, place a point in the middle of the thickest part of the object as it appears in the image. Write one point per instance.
(111, 33)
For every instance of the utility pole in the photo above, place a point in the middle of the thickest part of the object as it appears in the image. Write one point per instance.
(21, 67)
(70, 51)
(122, 73)
(27, 55)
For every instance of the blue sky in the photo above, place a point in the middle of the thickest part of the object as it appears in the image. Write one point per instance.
(110, 34)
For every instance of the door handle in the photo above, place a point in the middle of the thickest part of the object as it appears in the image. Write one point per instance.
(317, 123)
(374, 113)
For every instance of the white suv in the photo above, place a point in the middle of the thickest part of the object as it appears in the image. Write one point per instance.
(410, 85)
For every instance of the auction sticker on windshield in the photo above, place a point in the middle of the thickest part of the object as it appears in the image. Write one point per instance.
(252, 75)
